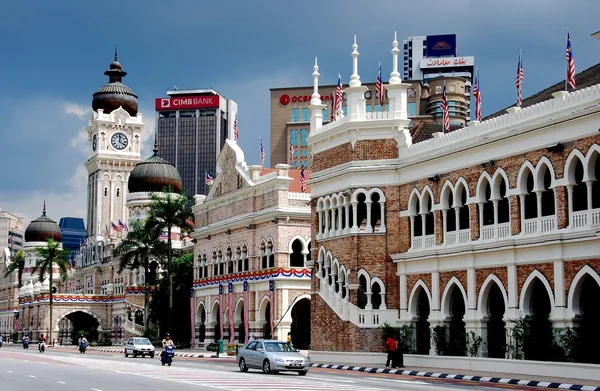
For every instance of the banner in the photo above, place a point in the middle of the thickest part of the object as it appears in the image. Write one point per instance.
(221, 312)
(246, 320)
(272, 299)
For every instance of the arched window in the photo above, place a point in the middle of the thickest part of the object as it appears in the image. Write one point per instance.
(375, 211)
(429, 218)
(530, 197)
(362, 292)
(376, 295)
(548, 208)
(488, 206)
(463, 210)
(503, 204)
(361, 212)
(296, 257)
(245, 258)
(596, 180)
(580, 189)
(264, 261)
(271, 254)
(418, 222)
(238, 257)
(229, 260)
(215, 264)
(450, 214)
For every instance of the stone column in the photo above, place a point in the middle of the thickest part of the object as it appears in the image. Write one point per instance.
(339, 229)
(382, 210)
(347, 212)
(570, 205)
(369, 227)
(354, 228)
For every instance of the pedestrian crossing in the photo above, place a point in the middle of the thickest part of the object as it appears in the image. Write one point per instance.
(231, 380)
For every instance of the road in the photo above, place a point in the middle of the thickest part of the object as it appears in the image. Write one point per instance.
(63, 370)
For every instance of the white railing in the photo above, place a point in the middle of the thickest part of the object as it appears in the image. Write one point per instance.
(429, 241)
(376, 115)
(451, 238)
(426, 241)
(134, 327)
(417, 242)
(580, 219)
(539, 224)
(487, 232)
(503, 230)
(461, 236)
(595, 216)
(495, 231)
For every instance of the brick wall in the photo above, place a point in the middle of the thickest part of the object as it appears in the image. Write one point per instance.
(482, 274)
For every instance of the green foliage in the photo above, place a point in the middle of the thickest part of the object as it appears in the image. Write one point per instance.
(517, 336)
(473, 343)
(404, 334)
(566, 343)
(440, 339)
(52, 254)
(17, 263)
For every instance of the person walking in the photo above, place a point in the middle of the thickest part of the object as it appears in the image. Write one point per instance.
(391, 346)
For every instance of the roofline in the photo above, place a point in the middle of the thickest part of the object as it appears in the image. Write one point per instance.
(198, 91)
(335, 85)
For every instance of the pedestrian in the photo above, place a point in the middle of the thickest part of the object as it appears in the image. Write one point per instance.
(251, 338)
(289, 338)
(391, 345)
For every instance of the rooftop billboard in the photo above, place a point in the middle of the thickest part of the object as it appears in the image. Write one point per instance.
(441, 45)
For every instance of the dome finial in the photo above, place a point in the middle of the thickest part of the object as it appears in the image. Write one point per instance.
(155, 149)
(44, 210)
(116, 53)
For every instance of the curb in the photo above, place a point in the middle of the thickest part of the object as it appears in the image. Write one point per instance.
(483, 379)
(176, 354)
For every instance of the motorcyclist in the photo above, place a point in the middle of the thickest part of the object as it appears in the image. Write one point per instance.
(166, 341)
(1, 341)
(82, 341)
(42, 342)
(25, 341)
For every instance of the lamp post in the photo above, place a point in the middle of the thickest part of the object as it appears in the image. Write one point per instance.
(16, 322)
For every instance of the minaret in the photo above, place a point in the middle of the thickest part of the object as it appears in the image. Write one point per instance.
(356, 102)
(316, 108)
(397, 91)
(114, 135)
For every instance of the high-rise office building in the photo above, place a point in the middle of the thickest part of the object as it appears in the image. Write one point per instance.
(11, 233)
(432, 56)
(191, 128)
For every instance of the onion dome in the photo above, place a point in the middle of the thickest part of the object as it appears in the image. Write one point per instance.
(41, 228)
(115, 94)
(154, 175)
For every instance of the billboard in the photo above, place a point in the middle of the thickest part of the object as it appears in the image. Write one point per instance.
(441, 45)
(187, 102)
(446, 62)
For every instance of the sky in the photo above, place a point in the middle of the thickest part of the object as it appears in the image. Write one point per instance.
(55, 54)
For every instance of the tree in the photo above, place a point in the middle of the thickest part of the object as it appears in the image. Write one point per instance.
(52, 255)
(17, 262)
(169, 210)
(139, 245)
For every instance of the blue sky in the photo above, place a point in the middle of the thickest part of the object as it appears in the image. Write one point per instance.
(55, 53)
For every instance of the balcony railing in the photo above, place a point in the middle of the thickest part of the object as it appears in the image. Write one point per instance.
(461, 236)
(539, 224)
(495, 231)
(426, 241)
(583, 218)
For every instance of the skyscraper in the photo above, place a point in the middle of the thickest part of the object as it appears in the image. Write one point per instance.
(192, 126)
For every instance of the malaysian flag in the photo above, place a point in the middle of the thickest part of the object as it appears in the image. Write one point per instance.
(380, 88)
(519, 82)
(116, 227)
(122, 225)
(302, 181)
(262, 154)
(570, 63)
(337, 108)
(291, 154)
(332, 111)
(477, 95)
(445, 111)
(236, 135)
(209, 179)
(230, 312)
(107, 231)
(272, 300)
(246, 305)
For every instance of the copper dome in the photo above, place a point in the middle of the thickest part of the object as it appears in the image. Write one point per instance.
(154, 175)
(115, 94)
(42, 228)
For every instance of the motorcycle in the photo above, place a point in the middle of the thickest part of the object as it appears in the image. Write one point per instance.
(82, 347)
(167, 356)
(42, 347)
(25, 344)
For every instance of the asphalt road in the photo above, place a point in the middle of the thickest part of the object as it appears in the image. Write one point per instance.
(62, 370)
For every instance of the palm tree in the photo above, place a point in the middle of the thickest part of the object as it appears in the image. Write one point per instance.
(52, 255)
(17, 262)
(139, 245)
(169, 210)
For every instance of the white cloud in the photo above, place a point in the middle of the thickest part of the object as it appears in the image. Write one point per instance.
(76, 109)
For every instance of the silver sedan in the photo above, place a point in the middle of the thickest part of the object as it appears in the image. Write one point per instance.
(272, 356)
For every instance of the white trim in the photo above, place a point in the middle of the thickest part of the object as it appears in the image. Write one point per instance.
(525, 294)
(575, 288)
(445, 304)
(484, 293)
(413, 299)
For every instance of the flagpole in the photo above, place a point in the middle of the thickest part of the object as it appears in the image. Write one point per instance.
(567, 65)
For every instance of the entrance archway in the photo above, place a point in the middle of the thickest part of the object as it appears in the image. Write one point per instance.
(589, 322)
(216, 313)
(496, 334)
(539, 344)
(82, 323)
(457, 340)
(301, 324)
(267, 327)
(423, 333)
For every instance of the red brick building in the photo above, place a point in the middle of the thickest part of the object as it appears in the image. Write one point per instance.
(470, 230)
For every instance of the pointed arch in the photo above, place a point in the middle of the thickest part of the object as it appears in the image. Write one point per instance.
(499, 175)
(592, 156)
(214, 311)
(525, 294)
(447, 187)
(484, 179)
(460, 183)
(413, 200)
(262, 307)
(363, 272)
(378, 281)
(571, 163)
(445, 307)
(484, 293)
(101, 324)
(426, 195)
(413, 298)
(542, 165)
(525, 169)
(576, 284)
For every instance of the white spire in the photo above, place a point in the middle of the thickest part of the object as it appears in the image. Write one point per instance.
(316, 98)
(395, 75)
(354, 79)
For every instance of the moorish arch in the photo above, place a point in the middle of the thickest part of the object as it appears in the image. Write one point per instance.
(583, 296)
(492, 305)
(264, 316)
(239, 320)
(537, 302)
(216, 319)
(419, 307)
(201, 319)
(85, 311)
(300, 327)
(454, 304)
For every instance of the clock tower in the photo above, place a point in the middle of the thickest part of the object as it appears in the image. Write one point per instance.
(114, 135)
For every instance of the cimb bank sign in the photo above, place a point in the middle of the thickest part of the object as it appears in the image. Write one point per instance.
(187, 102)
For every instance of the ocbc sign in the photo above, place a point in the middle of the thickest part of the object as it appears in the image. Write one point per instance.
(285, 99)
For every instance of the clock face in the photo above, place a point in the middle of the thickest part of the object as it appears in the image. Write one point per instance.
(94, 143)
(119, 141)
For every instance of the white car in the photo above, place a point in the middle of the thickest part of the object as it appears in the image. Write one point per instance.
(272, 356)
(139, 346)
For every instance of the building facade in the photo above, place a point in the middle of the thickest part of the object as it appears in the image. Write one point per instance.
(11, 233)
(468, 231)
(251, 254)
(192, 126)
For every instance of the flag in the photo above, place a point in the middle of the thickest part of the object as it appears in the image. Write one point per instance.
(246, 305)
(236, 135)
(262, 154)
(163, 235)
(230, 312)
(332, 111)
(122, 225)
(445, 112)
(221, 310)
(272, 300)
(337, 109)
(380, 88)
(291, 154)
(302, 181)
(570, 63)
(477, 95)
(116, 227)
(519, 82)
(107, 231)
(209, 179)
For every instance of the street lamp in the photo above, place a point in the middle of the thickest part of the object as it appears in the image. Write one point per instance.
(16, 322)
